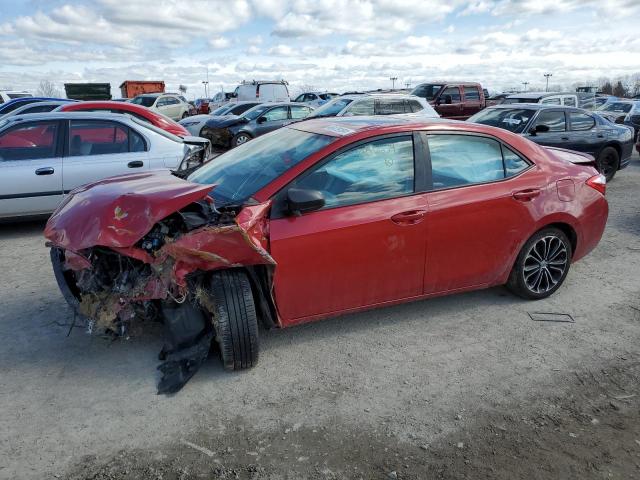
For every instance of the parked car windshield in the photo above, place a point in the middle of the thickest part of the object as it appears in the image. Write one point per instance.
(222, 110)
(513, 119)
(239, 173)
(428, 90)
(331, 108)
(621, 107)
(144, 100)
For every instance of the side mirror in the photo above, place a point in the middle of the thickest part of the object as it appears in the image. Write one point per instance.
(261, 119)
(301, 201)
(448, 100)
(539, 129)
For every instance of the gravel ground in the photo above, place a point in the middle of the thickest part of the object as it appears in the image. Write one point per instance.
(466, 386)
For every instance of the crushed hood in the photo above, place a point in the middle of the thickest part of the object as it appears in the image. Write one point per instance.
(118, 211)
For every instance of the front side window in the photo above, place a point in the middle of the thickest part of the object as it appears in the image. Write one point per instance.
(581, 121)
(390, 107)
(144, 100)
(374, 171)
(570, 101)
(362, 107)
(298, 112)
(553, 119)
(90, 137)
(277, 113)
(29, 141)
(454, 92)
(471, 93)
(458, 160)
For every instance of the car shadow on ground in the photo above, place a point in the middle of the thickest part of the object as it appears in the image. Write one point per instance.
(10, 230)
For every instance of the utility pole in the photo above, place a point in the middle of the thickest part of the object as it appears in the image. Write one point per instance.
(206, 84)
(525, 85)
(407, 84)
(547, 75)
(393, 82)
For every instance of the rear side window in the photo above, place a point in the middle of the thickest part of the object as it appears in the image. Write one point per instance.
(389, 107)
(570, 102)
(39, 108)
(298, 112)
(414, 106)
(277, 113)
(458, 160)
(89, 137)
(454, 92)
(29, 141)
(581, 121)
(553, 119)
(471, 93)
(551, 101)
(374, 171)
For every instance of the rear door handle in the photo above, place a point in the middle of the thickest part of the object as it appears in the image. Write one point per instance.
(135, 164)
(564, 138)
(526, 195)
(45, 171)
(410, 217)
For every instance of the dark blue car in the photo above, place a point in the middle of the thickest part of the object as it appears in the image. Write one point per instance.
(565, 127)
(11, 105)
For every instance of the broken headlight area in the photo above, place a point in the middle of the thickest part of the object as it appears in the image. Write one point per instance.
(197, 155)
(163, 277)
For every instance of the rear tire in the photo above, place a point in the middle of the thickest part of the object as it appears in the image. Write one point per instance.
(235, 319)
(542, 265)
(608, 162)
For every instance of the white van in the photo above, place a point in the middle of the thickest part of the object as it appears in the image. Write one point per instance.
(261, 91)
(7, 95)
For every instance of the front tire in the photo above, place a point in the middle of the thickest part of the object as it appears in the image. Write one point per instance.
(65, 278)
(235, 320)
(608, 162)
(240, 139)
(542, 265)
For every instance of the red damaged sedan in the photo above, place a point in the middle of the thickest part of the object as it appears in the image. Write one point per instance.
(317, 219)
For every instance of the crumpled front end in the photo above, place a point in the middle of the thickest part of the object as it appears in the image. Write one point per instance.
(141, 247)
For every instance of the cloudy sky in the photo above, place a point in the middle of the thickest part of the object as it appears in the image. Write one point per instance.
(328, 44)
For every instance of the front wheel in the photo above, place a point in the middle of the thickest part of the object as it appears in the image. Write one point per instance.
(608, 162)
(542, 265)
(240, 139)
(65, 278)
(235, 319)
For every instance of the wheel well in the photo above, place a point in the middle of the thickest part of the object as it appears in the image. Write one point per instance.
(569, 232)
(616, 146)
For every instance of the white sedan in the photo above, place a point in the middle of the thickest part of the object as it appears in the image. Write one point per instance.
(45, 155)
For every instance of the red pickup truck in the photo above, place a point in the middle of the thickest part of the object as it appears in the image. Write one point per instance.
(456, 100)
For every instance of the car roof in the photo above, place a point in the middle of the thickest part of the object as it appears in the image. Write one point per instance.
(538, 94)
(345, 126)
(447, 82)
(69, 115)
(379, 95)
(533, 106)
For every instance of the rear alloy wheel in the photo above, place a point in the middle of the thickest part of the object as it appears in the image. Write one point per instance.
(235, 320)
(608, 162)
(241, 138)
(542, 265)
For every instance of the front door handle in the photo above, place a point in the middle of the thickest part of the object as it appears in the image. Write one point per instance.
(564, 138)
(410, 217)
(526, 195)
(45, 171)
(135, 164)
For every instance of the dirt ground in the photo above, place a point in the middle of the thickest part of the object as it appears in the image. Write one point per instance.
(466, 386)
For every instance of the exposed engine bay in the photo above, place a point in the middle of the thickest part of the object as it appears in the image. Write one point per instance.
(163, 275)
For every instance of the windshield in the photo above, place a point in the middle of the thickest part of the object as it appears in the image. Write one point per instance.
(620, 107)
(221, 110)
(513, 119)
(332, 108)
(428, 90)
(241, 172)
(18, 95)
(144, 100)
(255, 112)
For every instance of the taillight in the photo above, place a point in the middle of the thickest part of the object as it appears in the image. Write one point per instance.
(598, 182)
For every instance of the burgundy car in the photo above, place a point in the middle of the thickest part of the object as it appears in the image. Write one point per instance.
(321, 218)
(138, 111)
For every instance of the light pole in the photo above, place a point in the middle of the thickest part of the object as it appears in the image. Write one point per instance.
(547, 75)
(206, 93)
(407, 84)
(525, 85)
(393, 82)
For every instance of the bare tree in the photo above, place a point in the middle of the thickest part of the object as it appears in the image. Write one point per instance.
(607, 88)
(47, 89)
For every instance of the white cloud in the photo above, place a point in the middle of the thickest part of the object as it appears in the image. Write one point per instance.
(219, 42)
